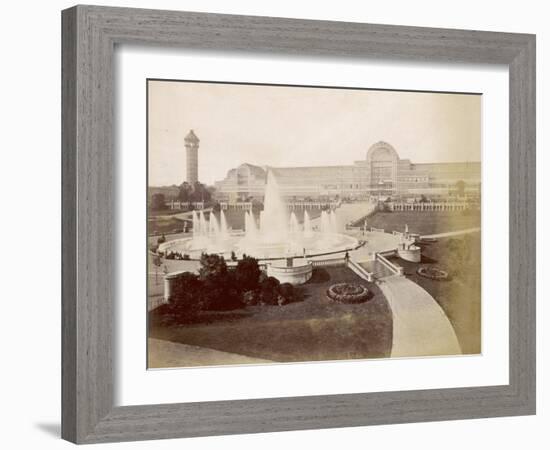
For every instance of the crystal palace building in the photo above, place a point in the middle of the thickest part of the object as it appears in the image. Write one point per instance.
(382, 174)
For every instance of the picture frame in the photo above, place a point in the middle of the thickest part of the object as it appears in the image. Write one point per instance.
(89, 37)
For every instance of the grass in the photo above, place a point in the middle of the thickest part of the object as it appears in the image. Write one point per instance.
(427, 222)
(164, 224)
(460, 296)
(164, 212)
(312, 329)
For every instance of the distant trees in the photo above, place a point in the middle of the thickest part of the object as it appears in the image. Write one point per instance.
(185, 191)
(158, 202)
(196, 192)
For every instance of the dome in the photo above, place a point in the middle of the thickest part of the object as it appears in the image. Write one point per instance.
(381, 151)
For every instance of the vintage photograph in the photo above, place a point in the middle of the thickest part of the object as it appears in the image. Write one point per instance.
(290, 224)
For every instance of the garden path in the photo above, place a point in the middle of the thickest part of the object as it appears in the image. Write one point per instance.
(420, 326)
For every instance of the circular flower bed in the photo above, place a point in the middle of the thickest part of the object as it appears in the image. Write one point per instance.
(348, 293)
(433, 273)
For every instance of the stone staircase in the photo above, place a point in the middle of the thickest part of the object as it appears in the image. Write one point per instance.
(377, 269)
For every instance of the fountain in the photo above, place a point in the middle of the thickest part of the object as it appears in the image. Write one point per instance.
(274, 235)
(308, 232)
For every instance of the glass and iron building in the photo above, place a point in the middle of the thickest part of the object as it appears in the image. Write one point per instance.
(381, 174)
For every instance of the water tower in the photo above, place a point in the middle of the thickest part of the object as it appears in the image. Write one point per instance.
(192, 147)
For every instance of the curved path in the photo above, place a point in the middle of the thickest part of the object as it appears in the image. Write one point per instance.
(420, 327)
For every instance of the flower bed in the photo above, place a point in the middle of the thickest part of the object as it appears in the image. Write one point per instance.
(433, 273)
(348, 293)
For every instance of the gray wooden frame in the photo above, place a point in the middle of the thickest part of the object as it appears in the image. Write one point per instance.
(89, 36)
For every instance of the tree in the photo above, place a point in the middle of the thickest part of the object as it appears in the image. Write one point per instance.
(247, 273)
(269, 290)
(187, 296)
(423, 199)
(185, 191)
(287, 291)
(212, 267)
(200, 193)
(220, 289)
(158, 201)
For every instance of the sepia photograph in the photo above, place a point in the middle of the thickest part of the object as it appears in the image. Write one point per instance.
(292, 224)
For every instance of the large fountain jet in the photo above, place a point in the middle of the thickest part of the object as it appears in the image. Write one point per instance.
(333, 223)
(308, 232)
(250, 225)
(213, 227)
(224, 231)
(325, 223)
(203, 229)
(274, 219)
(196, 225)
(293, 224)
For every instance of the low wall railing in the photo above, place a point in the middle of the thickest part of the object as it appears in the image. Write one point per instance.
(360, 270)
(154, 303)
(394, 268)
(429, 206)
(328, 262)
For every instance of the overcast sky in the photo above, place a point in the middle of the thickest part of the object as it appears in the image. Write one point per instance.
(294, 126)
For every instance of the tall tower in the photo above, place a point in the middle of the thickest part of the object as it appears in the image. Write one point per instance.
(192, 147)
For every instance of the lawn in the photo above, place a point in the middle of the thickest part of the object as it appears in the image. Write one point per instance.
(460, 297)
(164, 212)
(312, 329)
(164, 224)
(427, 222)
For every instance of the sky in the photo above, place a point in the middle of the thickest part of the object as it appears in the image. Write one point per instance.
(284, 126)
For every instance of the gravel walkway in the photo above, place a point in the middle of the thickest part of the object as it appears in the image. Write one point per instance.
(420, 326)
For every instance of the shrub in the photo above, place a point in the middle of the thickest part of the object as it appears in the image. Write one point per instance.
(248, 273)
(262, 278)
(161, 239)
(187, 299)
(212, 267)
(251, 298)
(287, 291)
(221, 292)
(269, 291)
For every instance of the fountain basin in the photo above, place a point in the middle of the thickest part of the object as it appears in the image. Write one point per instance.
(299, 273)
(238, 243)
(411, 253)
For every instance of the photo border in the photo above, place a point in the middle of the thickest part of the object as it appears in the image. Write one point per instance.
(89, 37)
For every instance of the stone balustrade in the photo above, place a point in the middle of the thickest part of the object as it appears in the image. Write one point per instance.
(428, 206)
